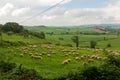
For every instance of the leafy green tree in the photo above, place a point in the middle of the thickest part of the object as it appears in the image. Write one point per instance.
(12, 26)
(42, 35)
(1, 33)
(93, 44)
(75, 39)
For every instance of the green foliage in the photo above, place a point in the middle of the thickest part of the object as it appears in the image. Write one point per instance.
(12, 43)
(40, 35)
(12, 26)
(109, 71)
(6, 66)
(93, 44)
(109, 45)
(10, 33)
(1, 33)
(113, 61)
(61, 38)
(69, 45)
(22, 73)
(1, 26)
(75, 39)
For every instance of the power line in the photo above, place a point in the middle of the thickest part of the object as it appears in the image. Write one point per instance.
(55, 5)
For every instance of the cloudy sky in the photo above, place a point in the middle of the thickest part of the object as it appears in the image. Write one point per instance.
(69, 12)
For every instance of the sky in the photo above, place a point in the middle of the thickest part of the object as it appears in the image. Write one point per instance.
(68, 13)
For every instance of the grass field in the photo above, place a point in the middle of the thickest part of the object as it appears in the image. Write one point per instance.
(51, 66)
(54, 51)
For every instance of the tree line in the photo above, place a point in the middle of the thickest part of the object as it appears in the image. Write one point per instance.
(15, 28)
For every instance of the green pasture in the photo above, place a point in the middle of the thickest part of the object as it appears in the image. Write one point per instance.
(52, 67)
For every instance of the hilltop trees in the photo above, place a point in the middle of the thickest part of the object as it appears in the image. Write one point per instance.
(12, 26)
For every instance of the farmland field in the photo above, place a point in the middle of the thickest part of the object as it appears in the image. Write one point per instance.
(56, 48)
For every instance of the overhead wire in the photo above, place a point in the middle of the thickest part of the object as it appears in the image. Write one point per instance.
(40, 13)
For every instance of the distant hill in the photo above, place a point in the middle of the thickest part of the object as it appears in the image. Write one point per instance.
(100, 31)
(40, 26)
(101, 25)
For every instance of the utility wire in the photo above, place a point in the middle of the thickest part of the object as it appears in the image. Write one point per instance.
(55, 5)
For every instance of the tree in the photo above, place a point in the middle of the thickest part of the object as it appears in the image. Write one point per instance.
(118, 33)
(75, 39)
(12, 26)
(1, 33)
(42, 35)
(93, 44)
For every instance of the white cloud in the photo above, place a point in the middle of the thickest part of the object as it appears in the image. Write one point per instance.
(34, 3)
(17, 11)
(6, 9)
(21, 11)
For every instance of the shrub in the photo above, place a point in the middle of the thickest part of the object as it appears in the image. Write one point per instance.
(10, 33)
(69, 45)
(61, 38)
(6, 66)
(93, 44)
(22, 73)
(109, 45)
(113, 61)
(108, 71)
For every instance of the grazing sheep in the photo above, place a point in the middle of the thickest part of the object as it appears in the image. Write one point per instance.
(21, 55)
(36, 54)
(36, 57)
(66, 54)
(84, 56)
(53, 52)
(66, 61)
(48, 55)
(30, 54)
(99, 58)
(75, 54)
(43, 53)
(77, 58)
(69, 60)
(90, 60)
(85, 63)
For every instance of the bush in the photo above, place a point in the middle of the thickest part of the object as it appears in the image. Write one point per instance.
(113, 61)
(22, 73)
(10, 33)
(69, 45)
(109, 45)
(93, 44)
(108, 71)
(6, 66)
(61, 38)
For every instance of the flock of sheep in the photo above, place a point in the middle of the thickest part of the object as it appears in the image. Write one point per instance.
(76, 55)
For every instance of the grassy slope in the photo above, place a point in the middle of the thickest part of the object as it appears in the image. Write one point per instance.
(84, 39)
(51, 67)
